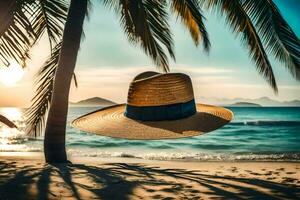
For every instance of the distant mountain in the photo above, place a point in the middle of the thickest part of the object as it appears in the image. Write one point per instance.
(95, 101)
(241, 102)
(245, 104)
(263, 101)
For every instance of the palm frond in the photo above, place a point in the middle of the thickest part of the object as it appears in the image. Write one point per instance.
(75, 80)
(145, 23)
(277, 35)
(190, 14)
(36, 114)
(50, 16)
(241, 24)
(23, 22)
(7, 122)
(16, 33)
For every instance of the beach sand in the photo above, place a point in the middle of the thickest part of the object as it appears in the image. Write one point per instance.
(28, 177)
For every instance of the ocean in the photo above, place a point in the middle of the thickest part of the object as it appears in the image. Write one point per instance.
(256, 133)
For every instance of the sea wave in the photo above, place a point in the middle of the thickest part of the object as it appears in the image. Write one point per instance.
(167, 156)
(266, 123)
(19, 148)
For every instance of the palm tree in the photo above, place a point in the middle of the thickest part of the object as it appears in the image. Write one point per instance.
(262, 30)
(54, 142)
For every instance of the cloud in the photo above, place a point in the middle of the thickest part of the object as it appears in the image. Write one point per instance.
(113, 82)
(200, 70)
(117, 76)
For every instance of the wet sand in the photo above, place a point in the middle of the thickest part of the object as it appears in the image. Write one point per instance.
(24, 177)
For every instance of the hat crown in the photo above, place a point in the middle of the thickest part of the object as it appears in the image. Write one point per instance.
(155, 89)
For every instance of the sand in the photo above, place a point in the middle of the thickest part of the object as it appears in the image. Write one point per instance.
(28, 177)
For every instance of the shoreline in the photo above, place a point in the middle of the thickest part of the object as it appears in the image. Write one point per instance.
(86, 159)
(88, 178)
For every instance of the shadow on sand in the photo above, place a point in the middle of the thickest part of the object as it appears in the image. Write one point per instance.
(130, 181)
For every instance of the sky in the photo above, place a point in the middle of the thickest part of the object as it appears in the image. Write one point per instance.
(107, 62)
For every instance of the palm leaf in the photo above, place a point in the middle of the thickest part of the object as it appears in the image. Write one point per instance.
(50, 16)
(36, 114)
(23, 22)
(145, 23)
(16, 32)
(7, 122)
(277, 35)
(242, 25)
(190, 14)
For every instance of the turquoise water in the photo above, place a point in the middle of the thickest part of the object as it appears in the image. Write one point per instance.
(268, 133)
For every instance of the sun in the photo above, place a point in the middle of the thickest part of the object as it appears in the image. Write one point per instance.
(9, 76)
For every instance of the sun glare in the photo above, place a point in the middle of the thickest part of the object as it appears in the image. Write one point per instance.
(9, 76)
(11, 113)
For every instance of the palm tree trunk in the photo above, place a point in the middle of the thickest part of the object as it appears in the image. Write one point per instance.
(55, 134)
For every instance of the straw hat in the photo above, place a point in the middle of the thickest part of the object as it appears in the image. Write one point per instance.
(159, 106)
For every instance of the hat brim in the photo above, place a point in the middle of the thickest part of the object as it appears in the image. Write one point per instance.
(111, 122)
